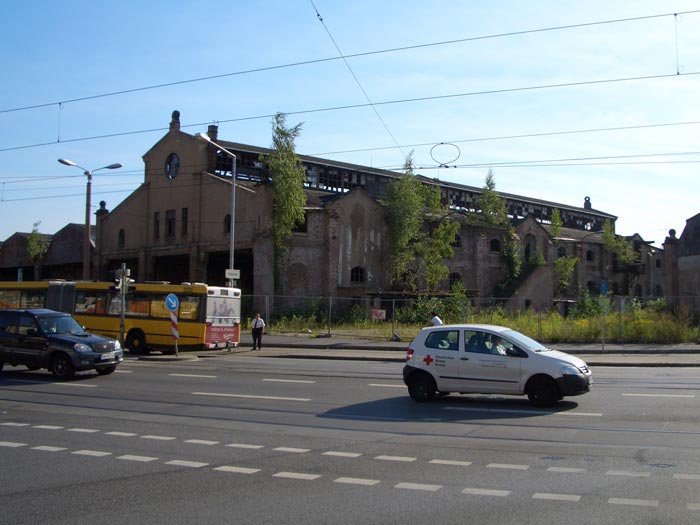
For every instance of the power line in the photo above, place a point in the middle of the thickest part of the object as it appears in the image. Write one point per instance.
(355, 55)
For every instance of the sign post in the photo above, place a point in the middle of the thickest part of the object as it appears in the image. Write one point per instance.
(172, 303)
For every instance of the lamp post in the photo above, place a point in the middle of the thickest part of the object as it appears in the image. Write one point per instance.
(204, 137)
(88, 190)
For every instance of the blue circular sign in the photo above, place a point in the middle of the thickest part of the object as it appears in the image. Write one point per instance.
(172, 302)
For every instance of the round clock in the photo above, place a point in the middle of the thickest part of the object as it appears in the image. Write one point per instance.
(172, 165)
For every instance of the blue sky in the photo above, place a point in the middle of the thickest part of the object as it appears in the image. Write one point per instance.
(474, 92)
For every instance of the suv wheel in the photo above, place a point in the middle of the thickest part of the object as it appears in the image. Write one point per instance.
(421, 387)
(62, 367)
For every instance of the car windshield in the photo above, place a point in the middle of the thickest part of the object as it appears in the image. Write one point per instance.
(60, 325)
(524, 342)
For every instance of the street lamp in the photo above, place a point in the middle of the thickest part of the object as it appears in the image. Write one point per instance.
(86, 240)
(204, 137)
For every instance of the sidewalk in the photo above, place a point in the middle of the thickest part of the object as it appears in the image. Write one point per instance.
(349, 348)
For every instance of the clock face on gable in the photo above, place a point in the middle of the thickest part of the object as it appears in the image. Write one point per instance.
(172, 166)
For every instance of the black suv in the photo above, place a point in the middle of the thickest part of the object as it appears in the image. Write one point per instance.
(42, 338)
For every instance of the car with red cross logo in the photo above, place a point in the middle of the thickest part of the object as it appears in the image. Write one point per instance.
(489, 359)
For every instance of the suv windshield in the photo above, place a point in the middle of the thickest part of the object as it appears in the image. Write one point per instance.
(60, 325)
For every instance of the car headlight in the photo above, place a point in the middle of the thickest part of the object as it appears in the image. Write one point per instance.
(82, 348)
(117, 345)
(570, 370)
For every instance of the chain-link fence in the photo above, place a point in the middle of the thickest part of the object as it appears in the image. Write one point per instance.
(613, 319)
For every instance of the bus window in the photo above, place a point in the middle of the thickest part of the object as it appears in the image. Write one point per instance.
(89, 303)
(137, 305)
(9, 299)
(158, 308)
(189, 306)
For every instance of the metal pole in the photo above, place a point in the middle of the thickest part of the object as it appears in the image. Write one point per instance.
(122, 292)
(232, 282)
(86, 240)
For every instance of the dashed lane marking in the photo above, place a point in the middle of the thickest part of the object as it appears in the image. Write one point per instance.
(450, 462)
(12, 444)
(296, 475)
(237, 470)
(189, 464)
(566, 470)
(357, 481)
(341, 454)
(48, 427)
(524, 412)
(418, 486)
(396, 458)
(201, 442)
(247, 396)
(387, 385)
(93, 453)
(634, 502)
(158, 438)
(556, 497)
(79, 385)
(245, 445)
(291, 450)
(290, 381)
(628, 473)
(659, 395)
(143, 459)
(686, 476)
(47, 448)
(121, 434)
(508, 466)
(194, 375)
(486, 492)
(693, 506)
(83, 430)
(12, 424)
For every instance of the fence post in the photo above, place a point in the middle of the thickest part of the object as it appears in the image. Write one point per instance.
(330, 314)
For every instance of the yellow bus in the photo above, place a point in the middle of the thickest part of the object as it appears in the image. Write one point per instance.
(207, 317)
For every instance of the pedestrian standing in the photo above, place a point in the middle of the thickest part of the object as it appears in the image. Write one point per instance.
(435, 321)
(258, 329)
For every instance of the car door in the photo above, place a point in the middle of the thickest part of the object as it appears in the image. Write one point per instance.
(8, 335)
(31, 344)
(441, 357)
(484, 368)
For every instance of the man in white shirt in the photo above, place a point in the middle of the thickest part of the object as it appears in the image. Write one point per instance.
(435, 321)
(258, 329)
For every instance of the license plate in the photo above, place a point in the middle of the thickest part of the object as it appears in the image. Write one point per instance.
(108, 355)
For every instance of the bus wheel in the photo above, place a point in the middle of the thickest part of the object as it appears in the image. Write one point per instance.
(136, 342)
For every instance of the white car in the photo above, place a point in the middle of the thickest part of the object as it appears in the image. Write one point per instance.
(489, 359)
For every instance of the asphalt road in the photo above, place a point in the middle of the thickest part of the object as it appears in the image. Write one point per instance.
(269, 440)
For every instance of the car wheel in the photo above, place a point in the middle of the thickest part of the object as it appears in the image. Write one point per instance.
(136, 342)
(421, 387)
(543, 391)
(106, 370)
(62, 367)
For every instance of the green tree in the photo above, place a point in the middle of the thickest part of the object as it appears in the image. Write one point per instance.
(621, 249)
(564, 270)
(37, 246)
(556, 223)
(288, 177)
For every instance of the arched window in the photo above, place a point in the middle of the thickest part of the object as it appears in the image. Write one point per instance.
(357, 274)
(495, 245)
(455, 277)
(121, 239)
(592, 290)
(457, 243)
(589, 256)
(227, 224)
(561, 252)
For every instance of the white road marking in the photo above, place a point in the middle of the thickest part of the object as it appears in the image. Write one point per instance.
(357, 481)
(292, 450)
(418, 486)
(296, 475)
(245, 445)
(556, 497)
(83, 430)
(508, 466)
(566, 470)
(11, 424)
(387, 385)
(122, 434)
(396, 458)
(123, 371)
(342, 454)
(84, 385)
(628, 473)
(12, 444)
(524, 412)
(157, 438)
(201, 442)
(290, 381)
(48, 427)
(686, 476)
(486, 492)
(450, 462)
(143, 459)
(238, 470)
(693, 506)
(190, 464)
(47, 448)
(243, 396)
(635, 502)
(193, 375)
(94, 453)
(659, 395)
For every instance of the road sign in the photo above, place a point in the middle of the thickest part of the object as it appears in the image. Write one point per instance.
(172, 302)
(232, 274)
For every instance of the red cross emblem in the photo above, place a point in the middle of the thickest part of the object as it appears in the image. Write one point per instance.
(427, 359)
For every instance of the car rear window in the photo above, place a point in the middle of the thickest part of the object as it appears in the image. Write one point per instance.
(443, 340)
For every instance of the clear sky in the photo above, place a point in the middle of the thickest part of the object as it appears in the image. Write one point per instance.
(562, 99)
